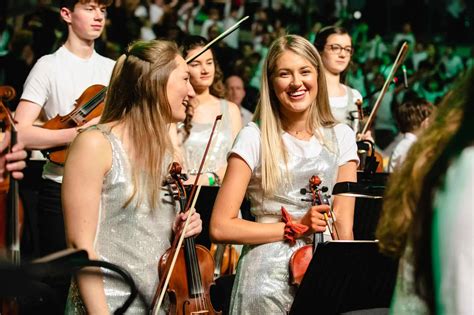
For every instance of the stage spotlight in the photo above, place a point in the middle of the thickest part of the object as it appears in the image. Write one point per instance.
(357, 15)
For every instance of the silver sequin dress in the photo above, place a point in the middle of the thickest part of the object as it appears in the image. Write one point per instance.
(133, 238)
(195, 144)
(262, 280)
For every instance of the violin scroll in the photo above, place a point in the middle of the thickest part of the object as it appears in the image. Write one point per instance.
(301, 258)
(7, 93)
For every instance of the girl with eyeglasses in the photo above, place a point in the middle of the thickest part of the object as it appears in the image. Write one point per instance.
(334, 44)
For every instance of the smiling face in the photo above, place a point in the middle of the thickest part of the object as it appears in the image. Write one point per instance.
(179, 90)
(202, 69)
(295, 83)
(336, 62)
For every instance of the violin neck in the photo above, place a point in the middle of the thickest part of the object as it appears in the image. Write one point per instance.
(318, 239)
(88, 107)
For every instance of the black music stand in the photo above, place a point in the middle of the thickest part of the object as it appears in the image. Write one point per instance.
(346, 276)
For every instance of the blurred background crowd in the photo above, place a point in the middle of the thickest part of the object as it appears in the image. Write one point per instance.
(439, 33)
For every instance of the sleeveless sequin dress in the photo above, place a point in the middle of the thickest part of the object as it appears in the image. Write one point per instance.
(133, 238)
(195, 144)
(262, 279)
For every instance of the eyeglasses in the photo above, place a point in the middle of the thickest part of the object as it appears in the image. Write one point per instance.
(336, 49)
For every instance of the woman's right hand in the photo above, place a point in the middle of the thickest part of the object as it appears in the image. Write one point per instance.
(314, 219)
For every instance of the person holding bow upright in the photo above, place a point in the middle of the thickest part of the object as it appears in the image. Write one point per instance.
(206, 79)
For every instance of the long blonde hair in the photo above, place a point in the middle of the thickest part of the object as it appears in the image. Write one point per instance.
(267, 113)
(137, 98)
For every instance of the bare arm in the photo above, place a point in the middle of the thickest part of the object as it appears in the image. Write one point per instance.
(89, 159)
(35, 137)
(226, 227)
(344, 206)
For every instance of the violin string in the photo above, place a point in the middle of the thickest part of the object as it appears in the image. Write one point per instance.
(202, 166)
(194, 264)
(193, 198)
(194, 271)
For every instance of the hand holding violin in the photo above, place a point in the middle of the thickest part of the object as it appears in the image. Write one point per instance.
(194, 226)
(14, 161)
(314, 219)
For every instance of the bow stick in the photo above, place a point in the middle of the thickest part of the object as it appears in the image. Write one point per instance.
(196, 188)
(218, 38)
(398, 61)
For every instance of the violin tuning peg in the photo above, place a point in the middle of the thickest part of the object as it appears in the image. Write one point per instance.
(303, 191)
(324, 189)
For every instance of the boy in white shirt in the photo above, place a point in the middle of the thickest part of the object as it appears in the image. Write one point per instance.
(52, 87)
(412, 118)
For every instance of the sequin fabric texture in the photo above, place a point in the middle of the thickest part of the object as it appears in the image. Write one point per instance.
(262, 280)
(195, 144)
(132, 237)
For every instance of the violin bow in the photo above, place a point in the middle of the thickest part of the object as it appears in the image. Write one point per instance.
(218, 38)
(178, 241)
(402, 53)
(196, 188)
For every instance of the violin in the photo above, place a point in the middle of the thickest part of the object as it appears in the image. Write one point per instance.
(11, 209)
(88, 106)
(200, 294)
(301, 258)
(189, 284)
(225, 259)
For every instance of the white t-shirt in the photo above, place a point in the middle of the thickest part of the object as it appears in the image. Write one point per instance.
(400, 152)
(57, 80)
(248, 145)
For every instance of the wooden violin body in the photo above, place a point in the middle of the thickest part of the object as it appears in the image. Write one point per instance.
(88, 106)
(299, 263)
(193, 267)
(189, 286)
(225, 259)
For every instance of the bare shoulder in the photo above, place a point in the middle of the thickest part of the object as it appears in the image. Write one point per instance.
(91, 145)
(234, 111)
(233, 108)
(92, 137)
